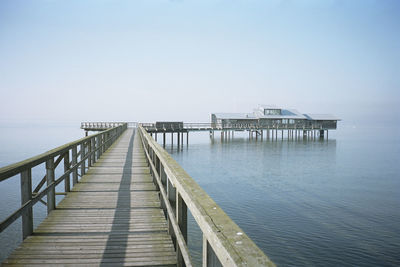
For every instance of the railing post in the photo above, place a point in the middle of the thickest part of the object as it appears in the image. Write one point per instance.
(181, 214)
(153, 157)
(151, 170)
(51, 195)
(171, 192)
(74, 161)
(181, 219)
(102, 139)
(163, 178)
(101, 145)
(89, 150)
(157, 170)
(157, 165)
(98, 147)
(93, 141)
(204, 257)
(105, 142)
(67, 180)
(83, 154)
(209, 257)
(26, 195)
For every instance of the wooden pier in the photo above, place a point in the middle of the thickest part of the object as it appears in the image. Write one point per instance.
(177, 130)
(113, 216)
(129, 207)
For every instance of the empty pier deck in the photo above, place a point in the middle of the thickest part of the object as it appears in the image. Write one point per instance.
(111, 217)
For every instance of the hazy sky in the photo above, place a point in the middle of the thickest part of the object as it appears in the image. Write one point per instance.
(182, 60)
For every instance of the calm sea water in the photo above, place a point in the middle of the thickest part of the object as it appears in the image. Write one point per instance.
(304, 203)
(307, 203)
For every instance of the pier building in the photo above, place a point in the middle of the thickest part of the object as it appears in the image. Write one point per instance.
(271, 119)
(274, 117)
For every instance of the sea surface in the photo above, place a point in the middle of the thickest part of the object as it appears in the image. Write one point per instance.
(332, 202)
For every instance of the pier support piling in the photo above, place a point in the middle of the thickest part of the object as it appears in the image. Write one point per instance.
(163, 140)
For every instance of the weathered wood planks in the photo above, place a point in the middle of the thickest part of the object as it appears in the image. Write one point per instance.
(111, 217)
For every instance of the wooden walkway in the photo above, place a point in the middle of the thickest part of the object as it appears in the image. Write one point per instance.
(112, 217)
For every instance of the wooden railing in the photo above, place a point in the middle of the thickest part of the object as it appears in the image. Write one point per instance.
(100, 125)
(306, 125)
(224, 243)
(91, 148)
(184, 126)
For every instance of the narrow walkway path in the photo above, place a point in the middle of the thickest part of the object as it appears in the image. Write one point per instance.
(112, 217)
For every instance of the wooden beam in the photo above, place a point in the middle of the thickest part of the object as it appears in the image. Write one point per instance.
(26, 195)
(51, 196)
(74, 161)
(67, 181)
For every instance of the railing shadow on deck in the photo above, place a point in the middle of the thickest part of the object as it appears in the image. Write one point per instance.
(91, 148)
(123, 204)
(224, 243)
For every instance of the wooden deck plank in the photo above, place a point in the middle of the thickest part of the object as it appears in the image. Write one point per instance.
(149, 186)
(111, 217)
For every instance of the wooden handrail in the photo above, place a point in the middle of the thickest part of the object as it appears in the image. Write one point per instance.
(16, 168)
(103, 125)
(222, 238)
(180, 238)
(306, 125)
(96, 144)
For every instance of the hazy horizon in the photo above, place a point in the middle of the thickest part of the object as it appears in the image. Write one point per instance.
(182, 60)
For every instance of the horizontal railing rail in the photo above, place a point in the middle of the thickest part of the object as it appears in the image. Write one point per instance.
(91, 148)
(239, 126)
(223, 241)
(147, 124)
(197, 125)
(101, 125)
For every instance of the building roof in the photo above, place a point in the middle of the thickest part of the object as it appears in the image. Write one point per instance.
(268, 107)
(322, 117)
(235, 116)
(285, 114)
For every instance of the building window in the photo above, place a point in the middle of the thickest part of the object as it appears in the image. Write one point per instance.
(272, 112)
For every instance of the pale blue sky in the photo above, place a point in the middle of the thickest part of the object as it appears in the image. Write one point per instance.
(182, 60)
